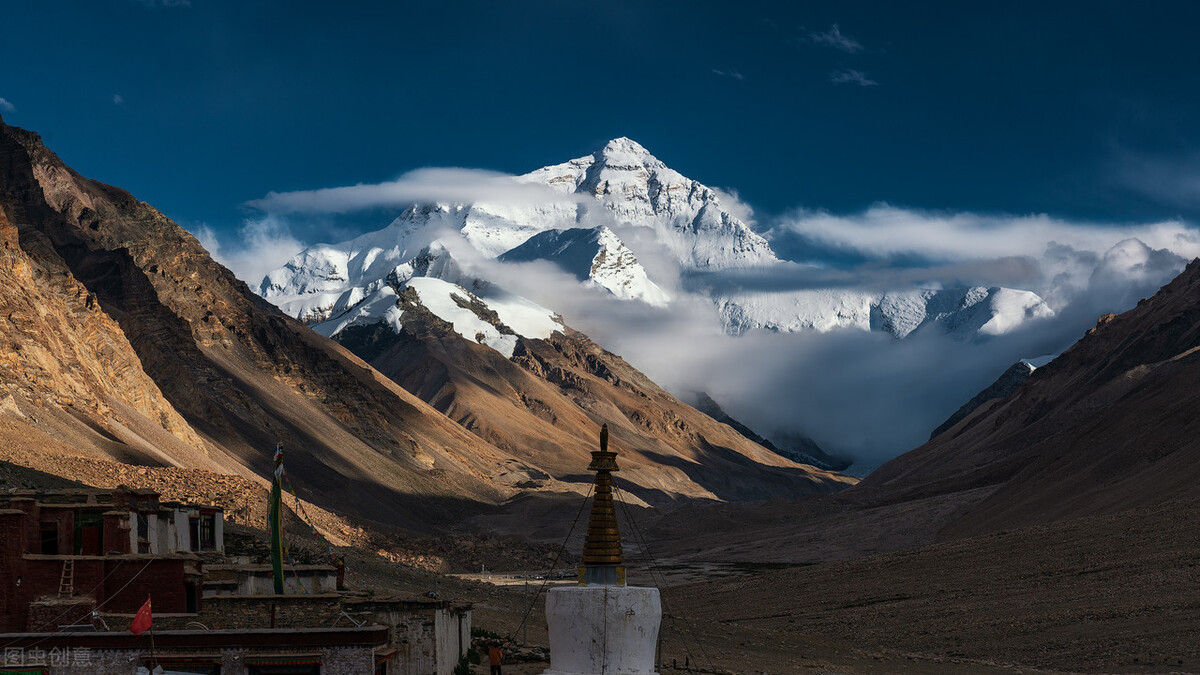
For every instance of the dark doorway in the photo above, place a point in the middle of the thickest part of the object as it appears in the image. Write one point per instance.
(191, 596)
(49, 538)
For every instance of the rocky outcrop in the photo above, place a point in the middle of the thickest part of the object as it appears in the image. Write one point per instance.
(60, 350)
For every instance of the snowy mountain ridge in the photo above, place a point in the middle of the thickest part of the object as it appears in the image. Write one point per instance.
(486, 314)
(620, 184)
(961, 312)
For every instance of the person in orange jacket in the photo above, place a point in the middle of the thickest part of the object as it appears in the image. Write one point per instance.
(495, 658)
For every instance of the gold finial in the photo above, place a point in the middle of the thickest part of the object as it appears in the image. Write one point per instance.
(603, 460)
(602, 557)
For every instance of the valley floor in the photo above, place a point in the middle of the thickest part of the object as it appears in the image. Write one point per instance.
(1108, 594)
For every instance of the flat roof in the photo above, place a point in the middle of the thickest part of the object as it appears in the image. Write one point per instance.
(254, 567)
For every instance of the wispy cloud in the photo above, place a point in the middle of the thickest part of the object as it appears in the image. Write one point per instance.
(414, 187)
(729, 73)
(835, 39)
(261, 245)
(117, 99)
(866, 394)
(6, 106)
(851, 76)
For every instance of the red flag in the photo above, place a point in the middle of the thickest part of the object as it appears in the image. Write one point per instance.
(141, 620)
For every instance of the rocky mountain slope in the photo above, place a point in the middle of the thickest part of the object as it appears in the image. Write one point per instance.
(126, 341)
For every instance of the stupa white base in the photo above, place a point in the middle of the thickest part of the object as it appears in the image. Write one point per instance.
(602, 630)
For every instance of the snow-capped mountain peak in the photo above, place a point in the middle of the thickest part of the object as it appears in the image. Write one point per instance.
(638, 189)
(628, 154)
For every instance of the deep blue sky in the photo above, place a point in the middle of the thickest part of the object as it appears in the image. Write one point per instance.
(1085, 110)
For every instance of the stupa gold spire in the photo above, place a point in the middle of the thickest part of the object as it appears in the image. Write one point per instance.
(602, 557)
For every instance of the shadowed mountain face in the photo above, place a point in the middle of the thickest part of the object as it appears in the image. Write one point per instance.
(125, 340)
(1108, 425)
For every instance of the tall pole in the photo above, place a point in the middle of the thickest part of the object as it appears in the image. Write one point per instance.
(153, 656)
(276, 525)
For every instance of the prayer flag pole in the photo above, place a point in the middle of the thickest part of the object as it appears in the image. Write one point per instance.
(275, 520)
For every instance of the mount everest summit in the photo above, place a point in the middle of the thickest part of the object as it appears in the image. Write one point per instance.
(596, 214)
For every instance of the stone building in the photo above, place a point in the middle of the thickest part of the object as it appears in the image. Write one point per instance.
(76, 565)
(99, 548)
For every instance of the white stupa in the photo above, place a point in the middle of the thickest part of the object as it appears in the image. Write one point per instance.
(602, 626)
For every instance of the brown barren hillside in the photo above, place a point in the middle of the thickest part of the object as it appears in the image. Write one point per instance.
(1112, 423)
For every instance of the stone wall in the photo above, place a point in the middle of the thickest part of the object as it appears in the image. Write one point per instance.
(272, 611)
(453, 637)
(429, 637)
(48, 615)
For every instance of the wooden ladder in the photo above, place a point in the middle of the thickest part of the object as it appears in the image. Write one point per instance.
(66, 585)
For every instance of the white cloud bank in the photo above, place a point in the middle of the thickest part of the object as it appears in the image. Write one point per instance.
(6, 106)
(884, 231)
(1058, 259)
